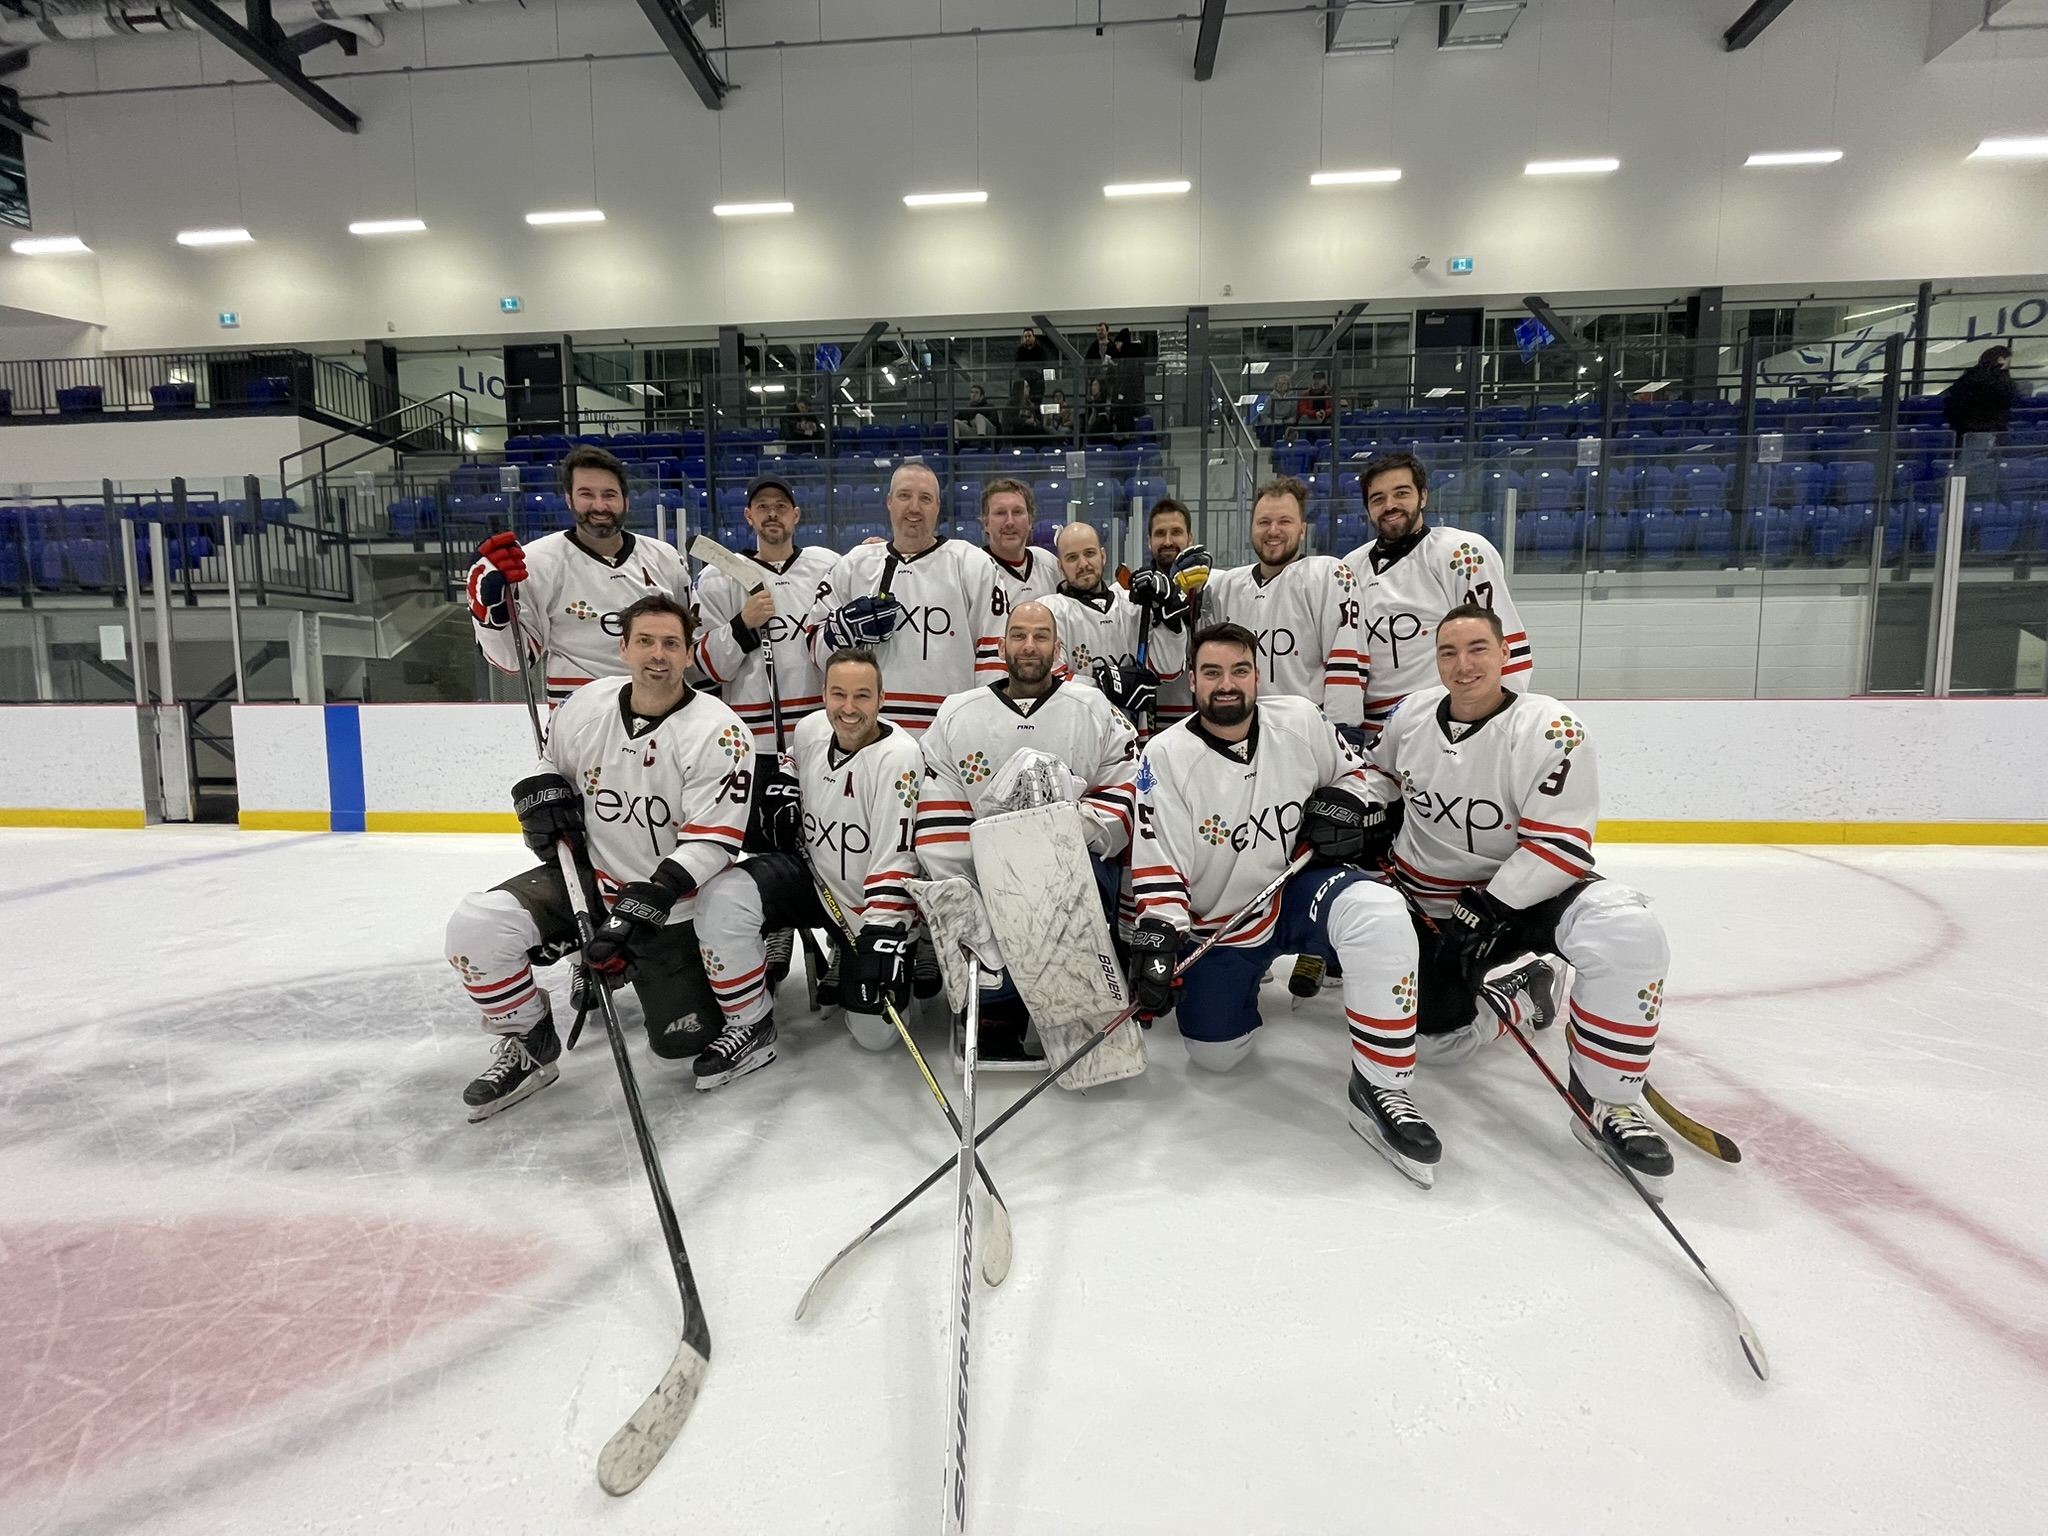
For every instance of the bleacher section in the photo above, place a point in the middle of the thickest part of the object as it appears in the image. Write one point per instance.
(72, 546)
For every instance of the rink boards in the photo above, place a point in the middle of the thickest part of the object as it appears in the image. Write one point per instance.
(1690, 770)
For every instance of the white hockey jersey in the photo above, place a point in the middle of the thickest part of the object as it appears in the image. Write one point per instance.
(1403, 602)
(860, 817)
(1306, 619)
(977, 732)
(952, 627)
(673, 788)
(1218, 822)
(1036, 577)
(1509, 802)
(1103, 624)
(569, 606)
(742, 674)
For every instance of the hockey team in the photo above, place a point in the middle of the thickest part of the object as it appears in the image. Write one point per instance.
(1335, 759)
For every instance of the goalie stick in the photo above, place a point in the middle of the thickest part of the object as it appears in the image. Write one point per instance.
(1745, 1331)
(1249, 909)
(961, 1337)
(995, 1256)
(642, 1440)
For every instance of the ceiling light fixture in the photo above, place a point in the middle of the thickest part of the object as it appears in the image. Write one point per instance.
(748, 210)
(1146, 188)
(1599, 166)
(1353, 178)
(51, 245)
(214, 237)
(1795, 157)
(568, 216)
(942, 199)
(2011, 149)
(388, 227)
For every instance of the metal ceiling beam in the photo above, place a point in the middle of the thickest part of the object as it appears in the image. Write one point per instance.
(862, 348)
(1207, 37)
(1327, 347)
(268, 50)
(671, 23)
(1058, 338)
(1749, 26)
(14, 115)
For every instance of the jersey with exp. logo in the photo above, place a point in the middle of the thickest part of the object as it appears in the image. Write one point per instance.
(977, 732)
(1306, 619)
(569, 606)
(1218, 821)
(1038, 575)
(672, 788)
(742, 674)
(1403, 603)
(1508, 803)
(950, 632)
(1103, 625)
(860, 814)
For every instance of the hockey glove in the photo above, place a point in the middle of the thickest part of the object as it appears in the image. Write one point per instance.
(879, 971)
(1155, 590)
(1155, 953)
(864, 622)
(1477, 929)
(1134, 690)
(776, 819)
(1359, 738)
(504, 563)
(549, 811)
(1343, 829)
(639, 913)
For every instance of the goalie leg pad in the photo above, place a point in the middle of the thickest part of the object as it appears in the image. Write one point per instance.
(1617, 948)
(1044, 902)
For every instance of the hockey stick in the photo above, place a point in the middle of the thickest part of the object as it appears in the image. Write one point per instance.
(1745, 1331)
(1250, 908)
(966, 1160)
(995, 1258)
(540, 745)
(642, 1440)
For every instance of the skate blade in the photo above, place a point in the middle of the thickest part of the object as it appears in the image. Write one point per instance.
(526, 1090)
(1008, 1063)
(1653, 1183)
(1422, 1175)
(753, 1063)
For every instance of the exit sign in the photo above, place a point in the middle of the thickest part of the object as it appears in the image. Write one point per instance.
(1460, 265)
(510, 304)
(229, 320)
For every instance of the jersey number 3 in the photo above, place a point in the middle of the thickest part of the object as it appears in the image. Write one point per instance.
(1554, 785)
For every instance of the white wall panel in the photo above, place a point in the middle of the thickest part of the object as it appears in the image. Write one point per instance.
(70, 757)
(281, 757)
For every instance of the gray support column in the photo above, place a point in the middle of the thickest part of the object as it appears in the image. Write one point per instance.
(1941, 613)
(1923, 316)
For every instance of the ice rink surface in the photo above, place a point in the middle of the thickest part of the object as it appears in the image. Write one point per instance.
(258, 1274)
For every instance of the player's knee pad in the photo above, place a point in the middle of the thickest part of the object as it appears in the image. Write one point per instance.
(727, 916)
(1218, 1055)
(1370, 919)
(1610, 929)
(870, 1031)
(492, 930)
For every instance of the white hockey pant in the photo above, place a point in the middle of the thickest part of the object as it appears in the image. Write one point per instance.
(488, 938)
(1374, 941)
(732, 937)
(1617, 948)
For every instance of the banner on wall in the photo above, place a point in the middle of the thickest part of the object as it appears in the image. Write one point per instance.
(479, 377)
(1959, 327)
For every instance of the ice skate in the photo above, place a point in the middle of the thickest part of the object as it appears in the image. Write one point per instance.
(738, 1050)
(523, 1065)
(1391, 1125)
(1625, 1130)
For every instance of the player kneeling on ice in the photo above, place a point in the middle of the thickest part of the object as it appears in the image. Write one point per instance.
(1496, 850)
(1027, 793)
(857, 776)
(1225, 799)
(648, 781)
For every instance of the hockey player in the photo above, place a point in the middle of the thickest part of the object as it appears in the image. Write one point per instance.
(978, 732)
(649, 779)
(1224, 801)
(1168, 532)
(1008, 513)
(929, 607)
(1496, 849)
(1303, 608)
(1409, 574)
(573, 584)
(858, 777)
(1100, 625)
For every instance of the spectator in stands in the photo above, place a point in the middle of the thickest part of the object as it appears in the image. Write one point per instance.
(1032, 356)
(1020, 416)
(801, 425)
(977, 417)
(1314, 409)
(1101, 356)
(1276, 416)
(1095, 417)
(1056, 416)
(1982, 399)
(1126, 385)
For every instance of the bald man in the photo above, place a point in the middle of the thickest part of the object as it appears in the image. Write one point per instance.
(1100, 625)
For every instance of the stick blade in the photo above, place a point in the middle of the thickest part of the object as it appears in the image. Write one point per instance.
(644, 1439)
(1752, 1346)
(811, 1291)
(1705, 1137)
(995, 1250)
